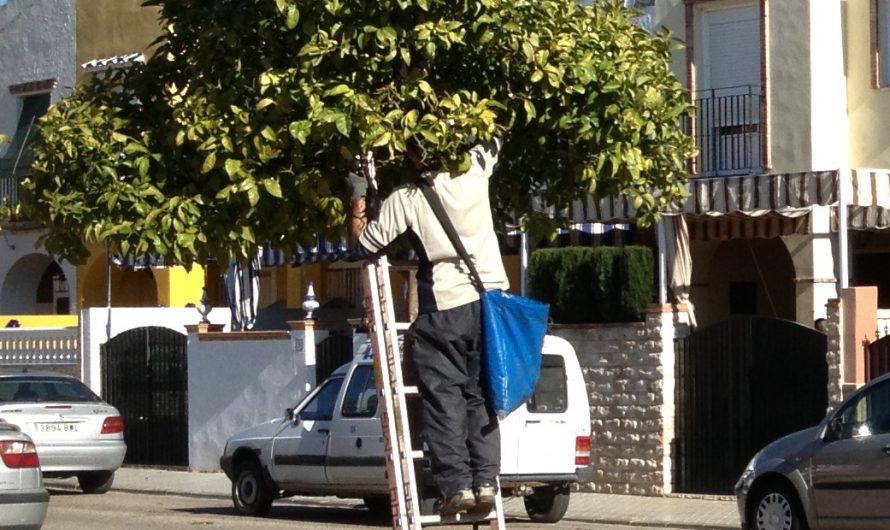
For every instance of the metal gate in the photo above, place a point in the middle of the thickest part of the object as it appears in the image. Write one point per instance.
(877, 358)
(333, 351)
(741, 384)
(144, 374)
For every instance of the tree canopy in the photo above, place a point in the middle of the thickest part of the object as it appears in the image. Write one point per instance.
(240, 127)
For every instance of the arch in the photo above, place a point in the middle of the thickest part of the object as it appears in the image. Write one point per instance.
(28, 286)
(130, 287)
(747, 276)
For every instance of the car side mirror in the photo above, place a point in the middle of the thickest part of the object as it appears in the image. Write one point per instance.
(290, 415)
(835, 429)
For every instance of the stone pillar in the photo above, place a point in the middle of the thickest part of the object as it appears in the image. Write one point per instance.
(669, 323)
(833, 351)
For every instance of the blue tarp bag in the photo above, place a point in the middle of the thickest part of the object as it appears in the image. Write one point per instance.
(513, 329)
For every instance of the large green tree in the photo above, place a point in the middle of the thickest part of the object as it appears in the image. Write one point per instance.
(241, 126)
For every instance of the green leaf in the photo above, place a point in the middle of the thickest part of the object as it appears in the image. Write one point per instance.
(209, 163)
(233, 167)
(273, 187)
(293, 17)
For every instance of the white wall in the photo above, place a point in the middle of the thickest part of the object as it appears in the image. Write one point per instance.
(97, 326)
(36, 43)
(235, 384)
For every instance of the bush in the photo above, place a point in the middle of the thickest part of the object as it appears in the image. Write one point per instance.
(593, 284)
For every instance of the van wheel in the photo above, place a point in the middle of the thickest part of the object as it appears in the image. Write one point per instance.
(547, 504)
(776, 508)
(251, 493)
(95, 481)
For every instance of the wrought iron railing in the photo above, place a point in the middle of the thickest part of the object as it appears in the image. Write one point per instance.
(10, 190)
(39, 346)
(728, 131)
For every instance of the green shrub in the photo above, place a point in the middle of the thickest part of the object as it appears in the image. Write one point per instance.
(593, 284)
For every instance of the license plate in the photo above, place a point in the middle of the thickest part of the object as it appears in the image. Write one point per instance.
(56, 427)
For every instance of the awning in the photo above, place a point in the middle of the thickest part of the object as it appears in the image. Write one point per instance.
(868, 199)
(785, 194)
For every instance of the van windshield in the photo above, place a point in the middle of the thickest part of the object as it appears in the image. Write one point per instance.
(551, 392)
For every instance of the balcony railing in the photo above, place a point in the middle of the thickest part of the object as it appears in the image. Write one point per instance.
(728, 132)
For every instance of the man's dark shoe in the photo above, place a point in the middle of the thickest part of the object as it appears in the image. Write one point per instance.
(462, 501)
(485, 498)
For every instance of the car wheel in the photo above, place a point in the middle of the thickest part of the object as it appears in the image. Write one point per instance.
(251, 493)
(95, 481)
(776, 508)
(547, 504)
(379, 506)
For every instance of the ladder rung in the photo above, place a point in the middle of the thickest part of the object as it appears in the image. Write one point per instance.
(417, 455)
(457, 518)
(411, 389)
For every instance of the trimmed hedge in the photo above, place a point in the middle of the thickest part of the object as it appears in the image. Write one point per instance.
(593, 284)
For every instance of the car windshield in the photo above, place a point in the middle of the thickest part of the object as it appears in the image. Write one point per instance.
(35, 389)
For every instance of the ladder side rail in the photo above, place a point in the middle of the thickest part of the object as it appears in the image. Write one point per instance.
(385, 396)
(397, 382)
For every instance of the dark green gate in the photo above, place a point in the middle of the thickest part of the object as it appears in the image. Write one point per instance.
(741, 384)
(144, 374)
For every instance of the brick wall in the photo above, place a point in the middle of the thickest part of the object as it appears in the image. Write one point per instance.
(629, 370)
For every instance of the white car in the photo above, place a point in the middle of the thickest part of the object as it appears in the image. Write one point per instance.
(76, 433)
(330, 443)
(23, 499)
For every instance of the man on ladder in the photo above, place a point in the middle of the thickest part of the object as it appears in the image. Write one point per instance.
(445, 341)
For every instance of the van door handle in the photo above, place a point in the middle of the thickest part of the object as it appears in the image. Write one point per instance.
(323, 431)
(529, 422)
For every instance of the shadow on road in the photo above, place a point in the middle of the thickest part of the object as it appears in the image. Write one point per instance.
(317, 514)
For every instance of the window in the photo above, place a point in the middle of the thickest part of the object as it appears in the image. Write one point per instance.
(881, 41)
(551, 392)
(867, 415)
(321, 406)
(360, 400)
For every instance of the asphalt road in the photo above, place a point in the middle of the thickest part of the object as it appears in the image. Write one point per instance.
(116, 510)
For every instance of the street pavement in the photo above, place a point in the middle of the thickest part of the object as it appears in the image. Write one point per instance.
(673, 511)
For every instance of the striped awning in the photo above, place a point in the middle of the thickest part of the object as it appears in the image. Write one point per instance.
(323, 251)
(786, 194)
(868, 197)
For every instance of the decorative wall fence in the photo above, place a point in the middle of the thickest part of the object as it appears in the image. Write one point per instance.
(30, 347)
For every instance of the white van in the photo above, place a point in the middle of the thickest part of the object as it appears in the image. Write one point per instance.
(331, 444)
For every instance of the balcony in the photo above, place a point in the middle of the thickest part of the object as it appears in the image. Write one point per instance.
(727, 131)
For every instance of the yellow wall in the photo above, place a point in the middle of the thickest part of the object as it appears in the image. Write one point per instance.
(178, 287)
(868, 108)
(106, 28)
(41, 321)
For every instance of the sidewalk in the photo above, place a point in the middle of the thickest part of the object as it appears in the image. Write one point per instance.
(673, 511)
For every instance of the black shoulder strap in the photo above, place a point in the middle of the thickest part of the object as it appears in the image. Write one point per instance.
(446, 223)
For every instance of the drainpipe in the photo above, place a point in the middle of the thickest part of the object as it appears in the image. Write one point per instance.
(843, 250)
(662, 263)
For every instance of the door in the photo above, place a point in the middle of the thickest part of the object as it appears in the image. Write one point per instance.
(547, 444)
(356, 450)
(729, 90)
(300, 449)
(851, 471)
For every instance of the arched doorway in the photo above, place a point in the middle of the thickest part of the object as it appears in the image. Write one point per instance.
(130, 286)
(745, 277)
(36, 285)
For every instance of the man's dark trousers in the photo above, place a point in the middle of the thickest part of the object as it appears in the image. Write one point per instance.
(458, 427)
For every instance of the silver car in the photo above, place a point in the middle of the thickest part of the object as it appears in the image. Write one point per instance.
(23, 499)
(833, 475)
(76, 433)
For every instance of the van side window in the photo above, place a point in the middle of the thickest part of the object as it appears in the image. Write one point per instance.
(551, 392)
(360, 400)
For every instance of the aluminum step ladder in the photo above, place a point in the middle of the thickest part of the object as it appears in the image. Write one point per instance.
(405, 499)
